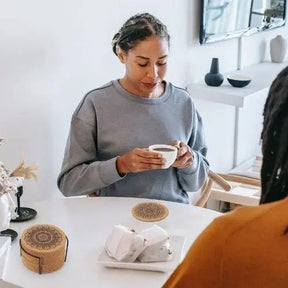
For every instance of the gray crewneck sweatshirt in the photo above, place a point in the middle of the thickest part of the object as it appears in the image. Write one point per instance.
(109, 122)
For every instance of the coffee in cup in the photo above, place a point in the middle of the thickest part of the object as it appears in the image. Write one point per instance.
(168, 152)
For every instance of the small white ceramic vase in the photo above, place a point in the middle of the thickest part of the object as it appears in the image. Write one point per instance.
(278, 49)
(18, 182)
(5, 211)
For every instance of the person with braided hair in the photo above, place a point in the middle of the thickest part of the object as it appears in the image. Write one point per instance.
(106, 153)
(274, 173)
(249, 246)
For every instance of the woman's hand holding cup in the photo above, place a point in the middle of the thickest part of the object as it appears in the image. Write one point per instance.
(139, 159)
(179, 155)
(184, 156)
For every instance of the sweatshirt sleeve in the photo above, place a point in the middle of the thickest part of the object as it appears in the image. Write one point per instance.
(192, 177)
(82, 173)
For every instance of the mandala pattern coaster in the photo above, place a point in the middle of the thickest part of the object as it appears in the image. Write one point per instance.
(43, 248)
(150, 211)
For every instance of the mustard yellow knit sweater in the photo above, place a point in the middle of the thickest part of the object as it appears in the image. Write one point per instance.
(245, 248)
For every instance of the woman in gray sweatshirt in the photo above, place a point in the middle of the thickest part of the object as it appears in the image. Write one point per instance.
(106, 151)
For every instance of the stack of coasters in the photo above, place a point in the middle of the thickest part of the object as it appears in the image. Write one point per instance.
(43, 248)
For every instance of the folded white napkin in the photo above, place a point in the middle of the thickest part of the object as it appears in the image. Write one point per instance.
(150, 245)
(154, 234)
(123, 244)
(157, 247)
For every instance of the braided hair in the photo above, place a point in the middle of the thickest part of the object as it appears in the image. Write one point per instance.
(138, 28)
(274, 171)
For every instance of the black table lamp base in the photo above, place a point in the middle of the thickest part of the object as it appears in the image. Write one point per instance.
(24, 213)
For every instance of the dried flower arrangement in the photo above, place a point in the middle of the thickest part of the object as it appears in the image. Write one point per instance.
(25, 172)
(6, 184)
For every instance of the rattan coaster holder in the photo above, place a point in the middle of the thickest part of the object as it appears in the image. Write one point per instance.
(43, 248)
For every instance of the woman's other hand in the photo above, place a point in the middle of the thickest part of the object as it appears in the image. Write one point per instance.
(139, 159)
(184, 155)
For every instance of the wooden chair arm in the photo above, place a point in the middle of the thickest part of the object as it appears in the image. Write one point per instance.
(206, 188)
(241, 179)
(205, 193)
(220, 180)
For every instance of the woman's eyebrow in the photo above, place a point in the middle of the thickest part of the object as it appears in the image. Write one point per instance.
(142, 57)
(145, 58)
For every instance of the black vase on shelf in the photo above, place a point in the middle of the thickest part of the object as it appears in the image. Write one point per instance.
(214, 78)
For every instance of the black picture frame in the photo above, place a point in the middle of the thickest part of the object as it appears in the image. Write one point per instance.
(268, 23)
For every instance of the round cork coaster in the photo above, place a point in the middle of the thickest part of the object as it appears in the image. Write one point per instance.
(150, 211)
(43, 248)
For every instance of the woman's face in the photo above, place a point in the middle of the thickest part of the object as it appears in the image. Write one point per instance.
(146, 66)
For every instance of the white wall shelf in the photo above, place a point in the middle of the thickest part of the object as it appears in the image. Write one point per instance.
(262, 75)
(245, 112)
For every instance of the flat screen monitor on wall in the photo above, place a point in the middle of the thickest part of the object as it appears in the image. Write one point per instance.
(223, 19)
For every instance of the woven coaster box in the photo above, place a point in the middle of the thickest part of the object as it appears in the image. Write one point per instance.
(43, 248)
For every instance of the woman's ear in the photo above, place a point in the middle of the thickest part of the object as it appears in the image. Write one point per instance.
(121, 55)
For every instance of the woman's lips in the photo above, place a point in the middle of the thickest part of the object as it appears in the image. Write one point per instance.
(150, 85)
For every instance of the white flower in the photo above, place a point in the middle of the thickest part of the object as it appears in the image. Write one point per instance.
(6, 185)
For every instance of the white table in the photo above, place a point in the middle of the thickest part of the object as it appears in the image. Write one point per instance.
(87, 223)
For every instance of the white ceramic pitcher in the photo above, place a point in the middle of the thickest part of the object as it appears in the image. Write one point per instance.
(7, 209)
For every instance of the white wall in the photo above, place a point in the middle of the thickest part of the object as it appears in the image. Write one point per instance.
(53, 52)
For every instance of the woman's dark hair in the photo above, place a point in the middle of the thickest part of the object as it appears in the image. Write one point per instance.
(138, 28)
(274, 172)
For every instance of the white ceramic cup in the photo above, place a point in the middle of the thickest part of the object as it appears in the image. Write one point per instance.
(168, 152)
